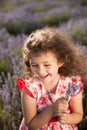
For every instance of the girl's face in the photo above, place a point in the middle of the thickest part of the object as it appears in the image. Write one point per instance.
(45, 66)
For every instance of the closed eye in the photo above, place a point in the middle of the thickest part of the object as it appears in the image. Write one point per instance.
(47, 65)
(34, 65)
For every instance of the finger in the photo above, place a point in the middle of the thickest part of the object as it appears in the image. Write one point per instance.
(66, 111)
(63, 118)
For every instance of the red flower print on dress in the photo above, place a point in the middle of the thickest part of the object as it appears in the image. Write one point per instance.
(74, 80)
(43, 99)
(21, 83)
(61, 89)
(40, 86)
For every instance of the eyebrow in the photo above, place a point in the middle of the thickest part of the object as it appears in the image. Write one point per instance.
(46, 62)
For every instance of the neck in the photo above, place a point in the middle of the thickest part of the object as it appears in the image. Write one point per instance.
(51, 87)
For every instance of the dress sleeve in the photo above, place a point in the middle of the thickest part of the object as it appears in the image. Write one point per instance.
(28, 86)
(77, 85)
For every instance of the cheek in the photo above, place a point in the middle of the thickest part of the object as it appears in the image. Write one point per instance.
(52, 70)
(33, 70)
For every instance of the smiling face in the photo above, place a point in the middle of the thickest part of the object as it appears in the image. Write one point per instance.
(45, 66)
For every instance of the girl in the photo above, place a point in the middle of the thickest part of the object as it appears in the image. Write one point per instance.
(51, 96)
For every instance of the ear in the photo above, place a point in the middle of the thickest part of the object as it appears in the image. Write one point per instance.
(60, 64)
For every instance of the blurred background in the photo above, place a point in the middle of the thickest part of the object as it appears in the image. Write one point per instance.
(18, 18)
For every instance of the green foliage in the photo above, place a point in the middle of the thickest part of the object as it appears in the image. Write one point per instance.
(53, 20)
(13, 27)
(40, 9)
(4, 65)
(83, 2)
(2, 38)
(79, 35)
(84, 14)
(19, 52)
(29, 27)
(7, 5)
(38, 0)
(18, 27)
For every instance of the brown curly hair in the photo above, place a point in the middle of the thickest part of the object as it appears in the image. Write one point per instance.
(48, 39)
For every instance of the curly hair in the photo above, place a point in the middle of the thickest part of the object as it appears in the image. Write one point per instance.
(48, 39)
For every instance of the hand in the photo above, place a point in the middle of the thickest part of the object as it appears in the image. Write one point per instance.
(60, 106)
(64, 118)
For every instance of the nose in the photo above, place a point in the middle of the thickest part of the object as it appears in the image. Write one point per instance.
(41, 70)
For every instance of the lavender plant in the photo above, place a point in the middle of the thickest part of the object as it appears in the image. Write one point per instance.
(10, 105)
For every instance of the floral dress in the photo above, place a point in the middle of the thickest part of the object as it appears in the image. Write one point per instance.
(34, 87)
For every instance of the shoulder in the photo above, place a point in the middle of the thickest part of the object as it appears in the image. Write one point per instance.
(74, 84)
(32, 86)
(73, 79)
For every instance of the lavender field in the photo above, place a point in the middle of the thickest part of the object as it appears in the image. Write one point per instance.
(17, 20)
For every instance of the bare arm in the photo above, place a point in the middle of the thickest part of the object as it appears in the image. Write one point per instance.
(34, 120)
(77, 111)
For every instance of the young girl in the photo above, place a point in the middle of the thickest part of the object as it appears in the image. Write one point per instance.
(51, 96)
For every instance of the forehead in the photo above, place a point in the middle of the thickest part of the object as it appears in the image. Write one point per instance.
(44, 56)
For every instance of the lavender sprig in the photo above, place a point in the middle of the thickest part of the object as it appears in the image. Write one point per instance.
(72, 89)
